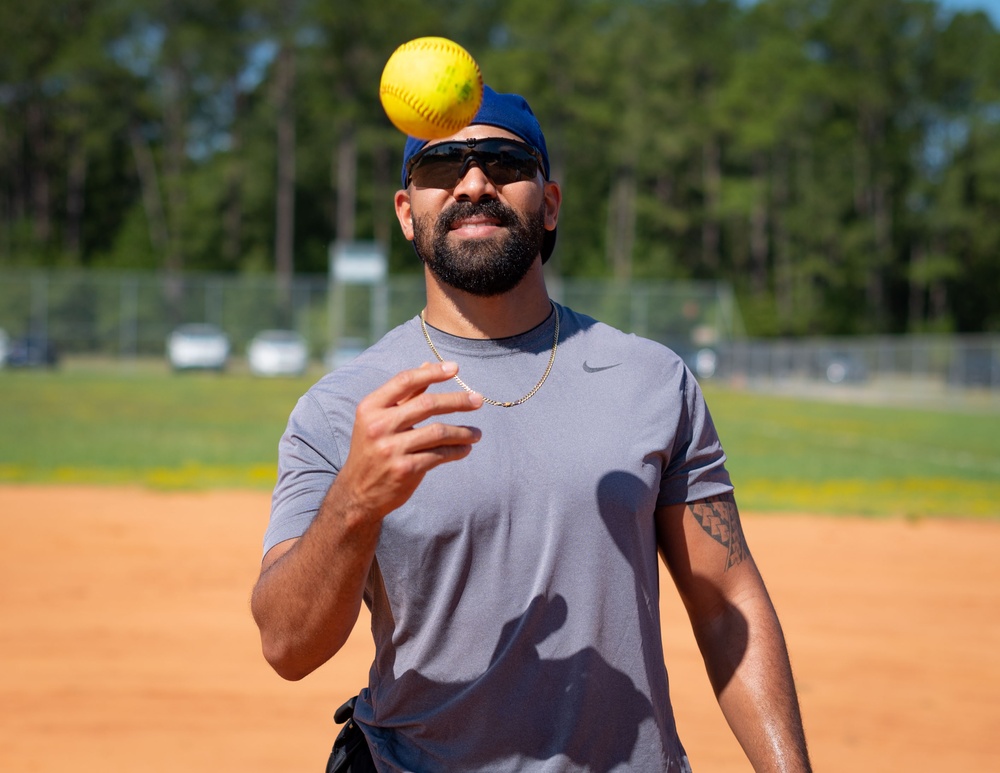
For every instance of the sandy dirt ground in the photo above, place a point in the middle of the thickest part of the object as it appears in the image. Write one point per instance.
(127, 644)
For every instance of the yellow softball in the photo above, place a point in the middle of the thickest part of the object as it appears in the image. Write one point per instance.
(431, 87)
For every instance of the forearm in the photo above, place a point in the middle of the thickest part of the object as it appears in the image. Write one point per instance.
(747, 662)
(309, 592)
(307, 601)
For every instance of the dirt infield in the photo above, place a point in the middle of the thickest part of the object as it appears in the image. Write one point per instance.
(127, 644)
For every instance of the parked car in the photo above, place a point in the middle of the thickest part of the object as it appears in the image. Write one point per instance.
(278, 353)
(842, 367)
(31, 351)
(702, 361)
(4, 346)
(705, 362)
(198, 346)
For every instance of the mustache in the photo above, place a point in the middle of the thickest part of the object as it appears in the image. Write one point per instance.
(484, 208)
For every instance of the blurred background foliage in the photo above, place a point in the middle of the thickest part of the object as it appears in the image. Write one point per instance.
(836, 161)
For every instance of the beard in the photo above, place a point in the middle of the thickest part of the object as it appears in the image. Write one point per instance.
(483, 267)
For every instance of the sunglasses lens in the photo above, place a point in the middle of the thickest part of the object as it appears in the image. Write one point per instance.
(441, 166)
(512, 162)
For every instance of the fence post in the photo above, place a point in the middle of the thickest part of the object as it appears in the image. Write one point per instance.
(39, 325)
(128, 323)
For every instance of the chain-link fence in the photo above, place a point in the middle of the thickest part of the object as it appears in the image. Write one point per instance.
(890, 369)
(130, 315)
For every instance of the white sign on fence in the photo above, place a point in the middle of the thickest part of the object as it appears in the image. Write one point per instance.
(358, 262)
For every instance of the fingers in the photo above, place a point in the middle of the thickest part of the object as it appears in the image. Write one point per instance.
(423, 406)
(446, 437)
(389, 453)
(420, 460)
(403, 402)
(405, 384)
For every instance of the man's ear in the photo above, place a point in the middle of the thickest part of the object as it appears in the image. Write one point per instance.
(553, 200)
(404, 214)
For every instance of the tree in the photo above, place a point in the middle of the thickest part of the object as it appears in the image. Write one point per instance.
(836, 160)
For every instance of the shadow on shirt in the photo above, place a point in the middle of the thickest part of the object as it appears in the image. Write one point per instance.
(579, 705)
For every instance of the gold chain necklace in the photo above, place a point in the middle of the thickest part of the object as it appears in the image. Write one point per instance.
(511, 404)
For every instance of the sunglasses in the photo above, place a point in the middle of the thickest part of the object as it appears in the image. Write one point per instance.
(502, 160)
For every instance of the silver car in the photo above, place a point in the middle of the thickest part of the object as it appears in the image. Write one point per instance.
(198, 346)
(278, 353)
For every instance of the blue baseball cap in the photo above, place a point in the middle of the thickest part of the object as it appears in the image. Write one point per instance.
(505, 111)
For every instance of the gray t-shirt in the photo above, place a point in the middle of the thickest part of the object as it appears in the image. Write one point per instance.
(514, 597)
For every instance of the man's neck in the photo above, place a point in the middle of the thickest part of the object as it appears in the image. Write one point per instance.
(502, 316)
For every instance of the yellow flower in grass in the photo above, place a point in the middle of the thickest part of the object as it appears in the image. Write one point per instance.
(911, 497)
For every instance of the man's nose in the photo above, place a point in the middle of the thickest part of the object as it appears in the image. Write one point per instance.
(473, 182)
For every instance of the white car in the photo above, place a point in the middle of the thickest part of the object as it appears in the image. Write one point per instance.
(4, 346)
(705, 362)
(278, 353)
(198, 346)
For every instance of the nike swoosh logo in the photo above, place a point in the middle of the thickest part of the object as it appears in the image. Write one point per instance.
(590, 369)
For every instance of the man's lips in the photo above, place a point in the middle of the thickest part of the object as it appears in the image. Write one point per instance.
(475, 225)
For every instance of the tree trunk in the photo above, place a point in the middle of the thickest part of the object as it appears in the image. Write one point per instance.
(346, 185)
(712, 183)
(152, 202)
(232, 223)
(384, 186)
(175, 143)
(875, 206)
(783, 278)
(284, 232)
(40, 183)
(759, 246)
(882, 225)
(939, 301)
(621, 224)
(76, 178)
(918, 289)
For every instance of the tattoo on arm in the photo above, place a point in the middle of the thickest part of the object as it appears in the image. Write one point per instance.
(720, 519)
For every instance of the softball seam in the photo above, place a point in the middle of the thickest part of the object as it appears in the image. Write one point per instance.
(422, 109)
(436, 45)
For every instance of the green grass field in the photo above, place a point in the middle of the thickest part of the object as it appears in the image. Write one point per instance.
(146, 426)
(806, 455)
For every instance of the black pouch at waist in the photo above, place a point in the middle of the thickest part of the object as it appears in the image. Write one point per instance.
(350, 752)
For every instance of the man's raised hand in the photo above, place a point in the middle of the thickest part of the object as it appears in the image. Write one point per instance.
(389, 454)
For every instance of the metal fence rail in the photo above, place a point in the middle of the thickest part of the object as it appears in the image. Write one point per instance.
(884, 368)
(127, 315)
(131, 314)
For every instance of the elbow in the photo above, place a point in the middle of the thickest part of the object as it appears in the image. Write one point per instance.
(290, 673)
(285, 660)
(282, 643)
(294, 659)
(295, 644)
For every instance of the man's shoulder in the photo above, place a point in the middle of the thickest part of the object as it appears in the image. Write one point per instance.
(589, 332)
